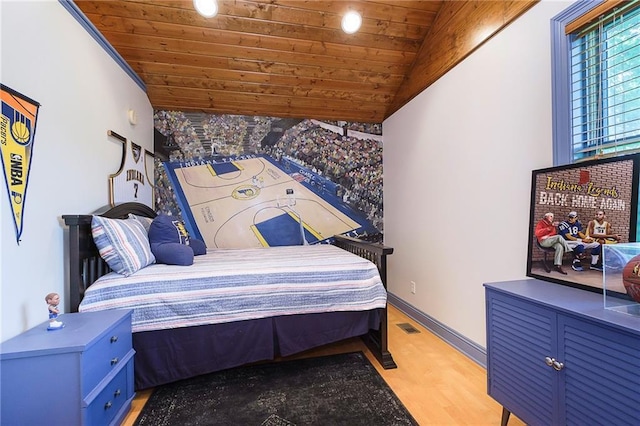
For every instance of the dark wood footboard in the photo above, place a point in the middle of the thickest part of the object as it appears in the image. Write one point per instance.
(377, 253)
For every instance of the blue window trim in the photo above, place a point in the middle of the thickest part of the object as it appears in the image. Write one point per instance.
(560, 79)
(93, 31)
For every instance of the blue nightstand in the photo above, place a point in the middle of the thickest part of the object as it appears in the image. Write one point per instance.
(81, 374)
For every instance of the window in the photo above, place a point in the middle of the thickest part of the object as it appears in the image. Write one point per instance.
(596, 83)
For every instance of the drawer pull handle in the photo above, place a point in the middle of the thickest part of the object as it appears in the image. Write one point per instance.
(114, 361)
(107, 405)
(117, 393)
(114, 339)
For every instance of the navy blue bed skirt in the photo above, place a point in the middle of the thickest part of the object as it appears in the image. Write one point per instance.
(166, 356)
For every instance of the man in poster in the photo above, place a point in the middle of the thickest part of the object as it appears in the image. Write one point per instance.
(601, 231)
(572, 231)
(548, 237)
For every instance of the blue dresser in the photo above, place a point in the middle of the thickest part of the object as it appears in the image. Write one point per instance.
(81, 374)
(555, 356)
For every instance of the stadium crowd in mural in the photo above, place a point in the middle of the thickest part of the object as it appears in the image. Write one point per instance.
(355, 164)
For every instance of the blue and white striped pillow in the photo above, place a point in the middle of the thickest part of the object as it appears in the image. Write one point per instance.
(122, 243)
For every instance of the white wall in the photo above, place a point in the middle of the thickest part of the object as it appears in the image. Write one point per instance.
(457, 174)
(47, 56)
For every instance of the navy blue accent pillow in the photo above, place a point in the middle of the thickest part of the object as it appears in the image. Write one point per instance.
(198, 246)
(172, 253)
(169, 238)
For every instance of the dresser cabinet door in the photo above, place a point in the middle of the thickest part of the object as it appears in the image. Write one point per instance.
(600, 375)
(520, 338)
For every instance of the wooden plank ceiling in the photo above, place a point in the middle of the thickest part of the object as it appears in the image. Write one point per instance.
(290, 58)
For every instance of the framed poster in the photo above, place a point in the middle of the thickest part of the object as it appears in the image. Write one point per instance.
(577, 208)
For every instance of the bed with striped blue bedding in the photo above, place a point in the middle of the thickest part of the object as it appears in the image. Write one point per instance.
(228, 285)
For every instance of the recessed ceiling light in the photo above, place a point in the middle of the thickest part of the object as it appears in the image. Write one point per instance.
(351, 22)
(206, 8)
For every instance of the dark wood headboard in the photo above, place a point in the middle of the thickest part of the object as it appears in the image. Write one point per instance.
(85, 263)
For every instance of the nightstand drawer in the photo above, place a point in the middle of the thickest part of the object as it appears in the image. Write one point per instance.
(112, 399)
(106, 355)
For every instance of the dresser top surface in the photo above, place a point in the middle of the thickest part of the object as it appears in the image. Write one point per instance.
(80, 331)
(568, 299)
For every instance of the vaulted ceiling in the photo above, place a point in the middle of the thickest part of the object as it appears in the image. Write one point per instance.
(290, 58)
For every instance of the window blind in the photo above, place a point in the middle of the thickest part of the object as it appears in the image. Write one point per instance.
(605, 85)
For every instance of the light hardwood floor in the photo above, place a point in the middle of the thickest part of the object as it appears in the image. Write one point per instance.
(437, 384)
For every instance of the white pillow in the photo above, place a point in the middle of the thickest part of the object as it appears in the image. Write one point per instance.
(145, 221)
(122, 243)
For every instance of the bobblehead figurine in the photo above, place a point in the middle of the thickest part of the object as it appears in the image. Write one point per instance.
(53, 300)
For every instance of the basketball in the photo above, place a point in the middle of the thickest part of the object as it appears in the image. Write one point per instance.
(20, 132)
(631, 278)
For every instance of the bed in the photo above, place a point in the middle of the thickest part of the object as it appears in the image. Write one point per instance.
(192, 344)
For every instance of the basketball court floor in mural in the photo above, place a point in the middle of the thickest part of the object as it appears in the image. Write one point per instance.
(253, 203)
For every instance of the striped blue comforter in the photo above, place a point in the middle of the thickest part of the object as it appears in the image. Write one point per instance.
(228, 285)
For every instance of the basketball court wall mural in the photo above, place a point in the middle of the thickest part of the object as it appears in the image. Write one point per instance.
(244, 181)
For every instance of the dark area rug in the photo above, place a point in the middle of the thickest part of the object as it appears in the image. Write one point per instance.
(342, 389)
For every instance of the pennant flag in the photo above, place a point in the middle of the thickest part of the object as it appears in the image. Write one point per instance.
(17, 133)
